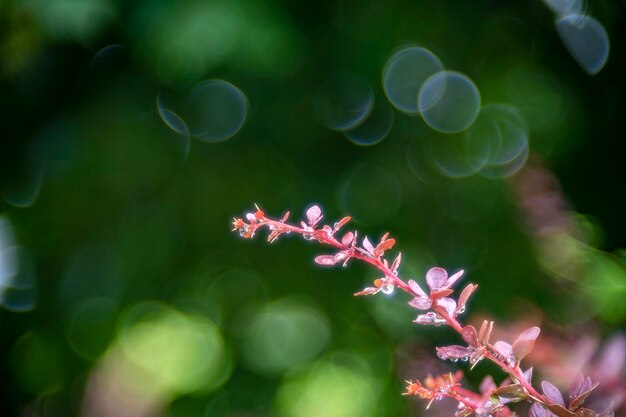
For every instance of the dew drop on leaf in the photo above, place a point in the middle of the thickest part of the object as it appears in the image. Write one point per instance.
(387, 288)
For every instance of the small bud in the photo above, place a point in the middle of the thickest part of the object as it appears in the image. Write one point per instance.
(259, 213)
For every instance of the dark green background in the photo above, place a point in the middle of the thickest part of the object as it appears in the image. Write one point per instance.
(145, 223)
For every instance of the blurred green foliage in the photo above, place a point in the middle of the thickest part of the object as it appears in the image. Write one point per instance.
(129, 294)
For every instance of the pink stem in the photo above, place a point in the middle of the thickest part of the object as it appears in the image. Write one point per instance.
(357, 253)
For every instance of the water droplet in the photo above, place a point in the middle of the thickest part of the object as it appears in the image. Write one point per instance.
(387, 288)
(244, 230)
(307, 236)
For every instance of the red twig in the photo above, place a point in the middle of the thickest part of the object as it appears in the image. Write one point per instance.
(441, 310)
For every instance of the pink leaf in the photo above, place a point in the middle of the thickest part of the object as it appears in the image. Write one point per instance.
(436, 277)
(454, 278)
(326, 260)
(469, 335)
(313, 215)
(511, 392)
(485, 332)
(585, 412)
(525, 343)
(428, 318)
(580, 390)
(321, 234)
(396, 262)
(347, 238)
(440, 293)
(421, 303)
(368, 291)
(587, 384)
(528, 374)
(341, 223)
(342, 256)
(454, 352)
(575, 386)
(477, 356)
(538, 411)
(448, 304)
(465, 295)
(553, 393)
(530, 334)
(487, 385)
(416, 288)
(385, 245)
(367, 245)
(503, 348)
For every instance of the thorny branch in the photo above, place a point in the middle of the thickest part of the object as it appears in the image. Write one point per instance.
(440, 309)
